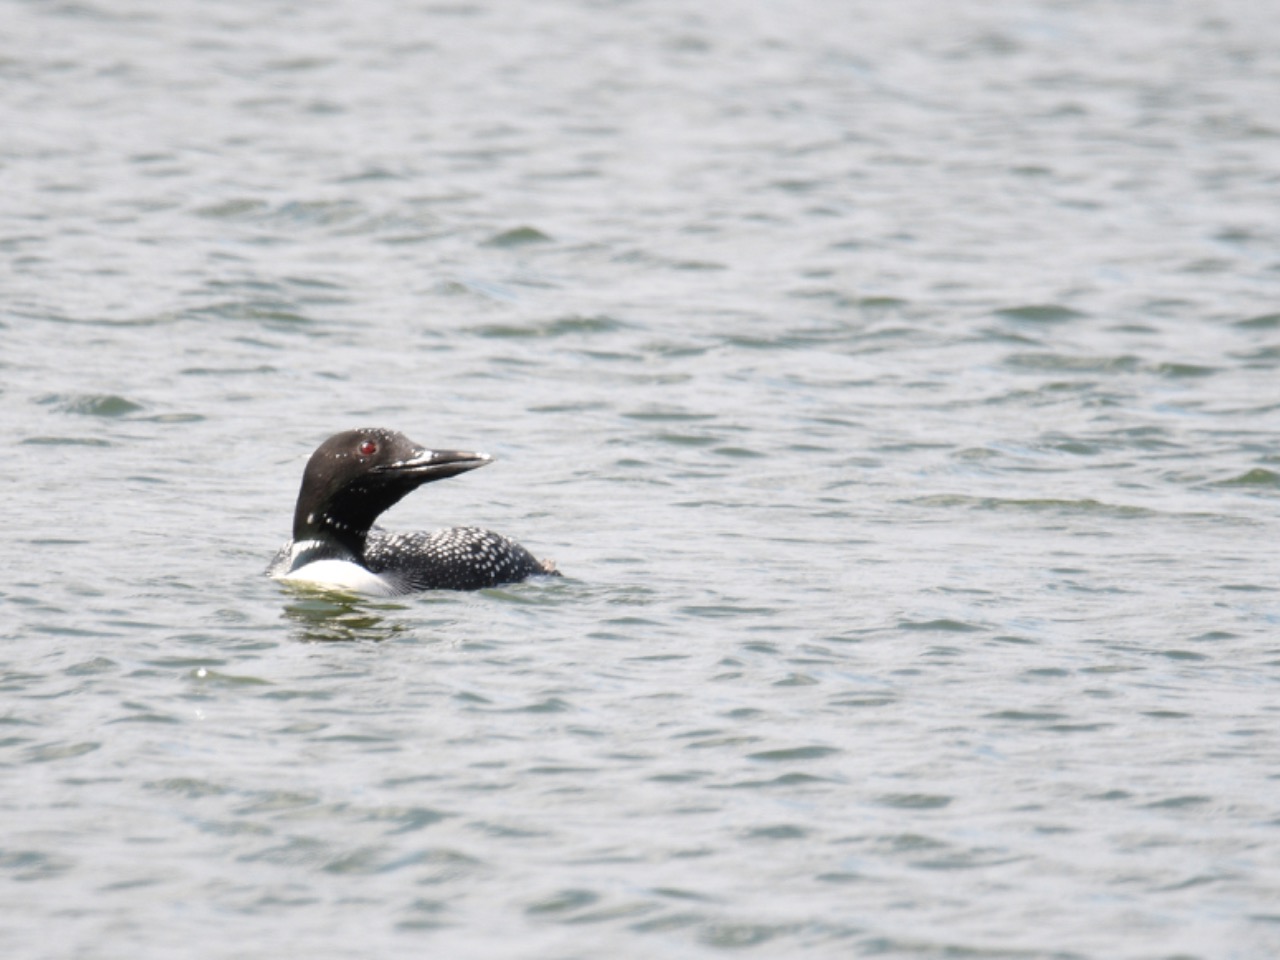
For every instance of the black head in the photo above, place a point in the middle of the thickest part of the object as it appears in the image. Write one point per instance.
(357, 474)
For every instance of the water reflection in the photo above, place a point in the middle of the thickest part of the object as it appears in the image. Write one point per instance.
(323, 617)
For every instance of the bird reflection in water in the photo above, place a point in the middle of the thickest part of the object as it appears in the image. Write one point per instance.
(323, 617)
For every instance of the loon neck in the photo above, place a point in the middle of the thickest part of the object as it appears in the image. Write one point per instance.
(343, 515)
(324, 527)
(304, 552)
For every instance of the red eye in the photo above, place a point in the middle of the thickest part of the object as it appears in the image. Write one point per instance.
(367, 448)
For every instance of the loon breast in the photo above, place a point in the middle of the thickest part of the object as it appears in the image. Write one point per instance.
(316, 564)
(342, 575)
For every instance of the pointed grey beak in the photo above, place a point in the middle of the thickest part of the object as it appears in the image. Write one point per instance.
(427, 465)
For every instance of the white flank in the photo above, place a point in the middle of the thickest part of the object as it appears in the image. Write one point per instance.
(340, 575)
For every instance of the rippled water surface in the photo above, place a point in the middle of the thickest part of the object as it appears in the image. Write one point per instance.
(897, 385)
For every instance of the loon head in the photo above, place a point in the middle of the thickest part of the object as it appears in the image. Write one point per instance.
(357, 474)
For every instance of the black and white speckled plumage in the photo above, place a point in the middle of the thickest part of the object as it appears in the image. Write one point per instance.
(352, 478)
(460, 558)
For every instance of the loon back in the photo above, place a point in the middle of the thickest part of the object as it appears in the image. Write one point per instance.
(349, 481)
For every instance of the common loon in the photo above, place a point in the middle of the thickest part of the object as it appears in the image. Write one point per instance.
(352, 478)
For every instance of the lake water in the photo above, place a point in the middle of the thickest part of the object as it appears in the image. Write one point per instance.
(897, 386)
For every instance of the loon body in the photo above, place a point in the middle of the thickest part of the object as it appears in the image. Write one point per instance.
(352, 478)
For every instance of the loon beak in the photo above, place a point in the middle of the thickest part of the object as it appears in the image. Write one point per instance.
(423, 466)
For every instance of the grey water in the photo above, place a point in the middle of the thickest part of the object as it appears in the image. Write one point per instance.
(897, 386)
